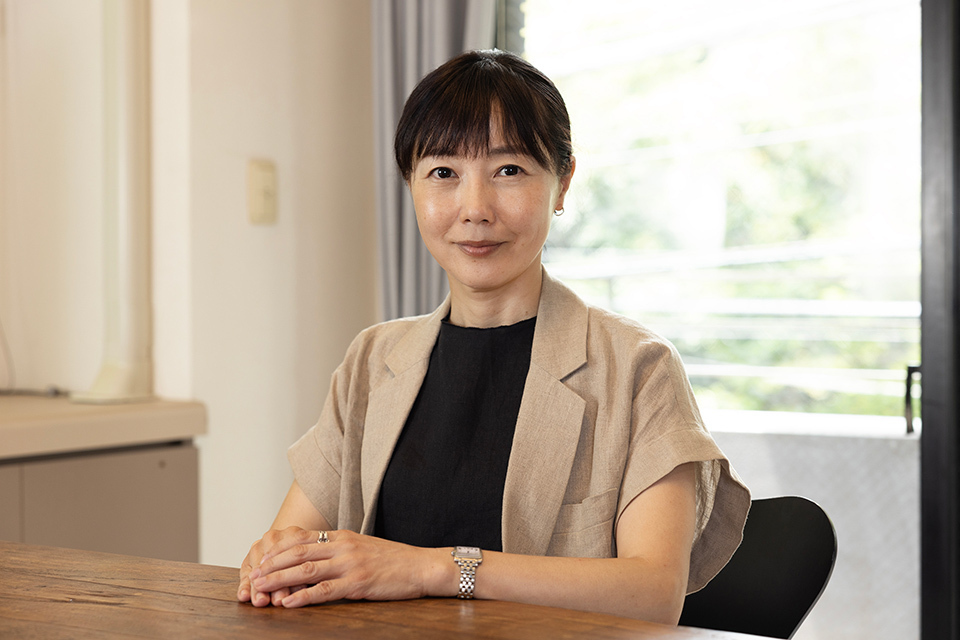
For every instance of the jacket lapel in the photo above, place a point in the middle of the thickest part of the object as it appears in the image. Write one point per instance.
(548, 425)
(389, 405)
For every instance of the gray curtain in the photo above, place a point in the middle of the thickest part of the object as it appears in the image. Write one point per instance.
(410, 39)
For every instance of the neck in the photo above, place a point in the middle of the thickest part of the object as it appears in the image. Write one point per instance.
(504, 306)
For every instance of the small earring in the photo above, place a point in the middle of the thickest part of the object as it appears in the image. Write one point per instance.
(558, 212)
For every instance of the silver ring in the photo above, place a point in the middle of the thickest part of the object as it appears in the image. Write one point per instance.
(323, 537)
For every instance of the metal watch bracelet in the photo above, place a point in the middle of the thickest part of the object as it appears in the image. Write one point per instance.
(468, 559)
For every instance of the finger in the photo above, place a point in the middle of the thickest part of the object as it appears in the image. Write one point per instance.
(306, 572)
(277, 596)
(292, 556)
(243, 591)
(325, 591)
(259, 598)
(291, 538)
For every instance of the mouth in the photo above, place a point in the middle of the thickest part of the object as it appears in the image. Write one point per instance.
(478, 248)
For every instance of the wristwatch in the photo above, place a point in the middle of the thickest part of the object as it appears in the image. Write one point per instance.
(468, 558)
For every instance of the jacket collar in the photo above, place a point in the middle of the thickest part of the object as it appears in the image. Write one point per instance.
(560, 338)
(548, 425)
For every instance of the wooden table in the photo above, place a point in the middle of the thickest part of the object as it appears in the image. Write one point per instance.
(49, 592)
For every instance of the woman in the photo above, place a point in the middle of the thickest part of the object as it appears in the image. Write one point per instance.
(559, 441)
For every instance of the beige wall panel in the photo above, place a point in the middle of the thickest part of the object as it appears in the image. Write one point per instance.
(10, 502)
(141, 502)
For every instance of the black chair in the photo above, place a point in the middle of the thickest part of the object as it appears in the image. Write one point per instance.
(776, 575)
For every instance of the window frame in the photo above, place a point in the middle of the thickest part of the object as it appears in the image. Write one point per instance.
(940, 300)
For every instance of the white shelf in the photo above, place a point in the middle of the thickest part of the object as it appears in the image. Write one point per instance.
(39, 426)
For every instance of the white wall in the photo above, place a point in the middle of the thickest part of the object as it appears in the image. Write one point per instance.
(50, 237)
(273, 308)
(251, 320)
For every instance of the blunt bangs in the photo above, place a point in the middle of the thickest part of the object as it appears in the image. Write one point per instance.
(451, 110)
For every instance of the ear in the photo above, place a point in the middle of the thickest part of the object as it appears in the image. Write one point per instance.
(565, 183)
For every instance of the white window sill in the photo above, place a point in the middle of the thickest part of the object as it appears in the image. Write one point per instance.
(819, 424)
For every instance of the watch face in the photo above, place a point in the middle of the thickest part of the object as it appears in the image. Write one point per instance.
(471, 553)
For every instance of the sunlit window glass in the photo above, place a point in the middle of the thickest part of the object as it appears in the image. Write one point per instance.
(748, 186)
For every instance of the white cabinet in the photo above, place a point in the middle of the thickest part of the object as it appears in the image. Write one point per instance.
(121, 479)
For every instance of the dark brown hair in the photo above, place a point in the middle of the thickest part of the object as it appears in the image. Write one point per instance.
(449, 111)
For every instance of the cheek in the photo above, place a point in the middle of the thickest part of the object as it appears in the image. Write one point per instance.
(425, 211)
(432, 224)
(544, 230)
(537, 217)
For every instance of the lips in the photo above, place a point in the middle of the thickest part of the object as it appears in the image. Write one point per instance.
(478, 248)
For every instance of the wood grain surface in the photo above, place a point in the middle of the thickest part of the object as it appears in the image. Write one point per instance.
(50, 593)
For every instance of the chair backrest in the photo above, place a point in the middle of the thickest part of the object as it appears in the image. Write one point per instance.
(776, 575)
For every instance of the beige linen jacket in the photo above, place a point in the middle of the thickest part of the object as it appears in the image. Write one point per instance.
(606, 411)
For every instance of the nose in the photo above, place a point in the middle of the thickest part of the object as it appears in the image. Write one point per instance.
(476, 202)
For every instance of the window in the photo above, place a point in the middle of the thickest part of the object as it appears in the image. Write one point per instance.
(748, 186)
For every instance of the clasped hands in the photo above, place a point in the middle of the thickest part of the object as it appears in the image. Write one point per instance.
(289, 568)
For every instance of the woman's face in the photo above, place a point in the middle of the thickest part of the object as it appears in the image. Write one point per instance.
(485, 219)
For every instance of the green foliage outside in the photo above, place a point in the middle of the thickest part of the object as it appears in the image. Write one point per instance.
(790, 140)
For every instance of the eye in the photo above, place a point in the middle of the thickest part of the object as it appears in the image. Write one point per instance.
(442, 172)
(510, 170)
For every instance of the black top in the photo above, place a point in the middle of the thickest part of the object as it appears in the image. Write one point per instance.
(444, 484)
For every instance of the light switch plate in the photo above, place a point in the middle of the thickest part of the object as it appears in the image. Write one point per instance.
(262, 191)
